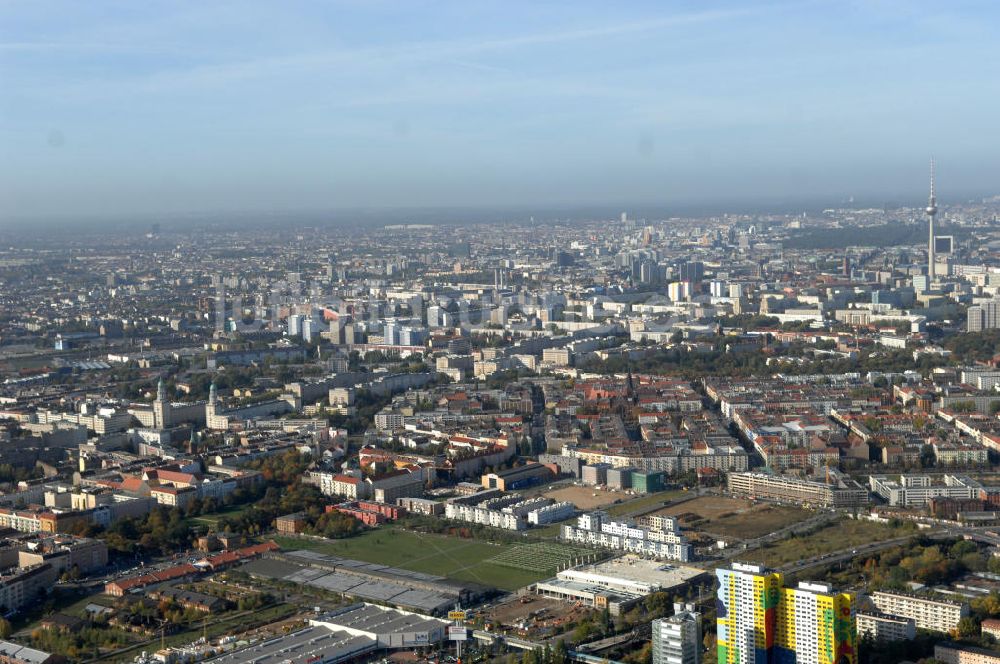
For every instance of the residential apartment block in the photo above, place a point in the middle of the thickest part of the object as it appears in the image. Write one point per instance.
(939, 615)
(884, 627)
(598, 529)
(841, 491)
(918, 490)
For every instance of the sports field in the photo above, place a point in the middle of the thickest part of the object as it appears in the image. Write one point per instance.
(453, 557)
(544, 558)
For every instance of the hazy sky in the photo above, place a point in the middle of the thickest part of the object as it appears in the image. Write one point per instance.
(132, 106)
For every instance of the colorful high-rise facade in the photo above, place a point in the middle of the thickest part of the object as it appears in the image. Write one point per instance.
(746, 607)
(815, 625)
(762, 622)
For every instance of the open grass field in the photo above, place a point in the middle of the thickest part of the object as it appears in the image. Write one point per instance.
(213, 518)
(455, 558)
(735, 518)
(645, 504)
(707, 507)
(843, 534)
(761, 520)
(551, 531)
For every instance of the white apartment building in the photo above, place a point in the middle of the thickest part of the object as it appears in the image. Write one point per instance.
(948, 653)
(334, 484)
(485, 516)
(551, 513)
(841, 492)
(939, 615)
(719, 457)
(597, 529)
(917, 490)
(883, 627)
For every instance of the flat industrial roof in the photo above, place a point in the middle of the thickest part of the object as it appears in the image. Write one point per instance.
(22, 653)
(640, 570)
(577, 589)
(391, 590)
(376, 620)
(302, 646)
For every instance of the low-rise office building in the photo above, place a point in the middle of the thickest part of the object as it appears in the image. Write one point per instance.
(15, 653)
(619, 583)
(345, 634)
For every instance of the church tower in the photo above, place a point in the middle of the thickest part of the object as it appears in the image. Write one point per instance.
(162, 408)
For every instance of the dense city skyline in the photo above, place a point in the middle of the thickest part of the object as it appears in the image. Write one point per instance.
(491, 332)
(597, 438)
(112, 110)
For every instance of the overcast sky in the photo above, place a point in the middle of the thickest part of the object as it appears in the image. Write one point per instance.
(121, 107)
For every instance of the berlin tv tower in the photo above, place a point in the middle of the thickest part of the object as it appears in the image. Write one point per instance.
(930, 211)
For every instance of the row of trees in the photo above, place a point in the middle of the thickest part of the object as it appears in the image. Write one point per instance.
(547, 655)
(927, 563)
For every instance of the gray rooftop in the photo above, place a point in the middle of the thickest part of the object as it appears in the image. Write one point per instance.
(17, 652)
(392, 589)
(302, 646)
(378, 621)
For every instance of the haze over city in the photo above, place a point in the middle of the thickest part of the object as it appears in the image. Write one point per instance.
(371, 332)
(115, 108)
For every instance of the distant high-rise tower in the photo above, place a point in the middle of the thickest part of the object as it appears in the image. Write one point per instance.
(931, 211)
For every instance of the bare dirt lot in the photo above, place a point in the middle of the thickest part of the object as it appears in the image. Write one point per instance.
(735, 518)
(584, 496)
(539, 615)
